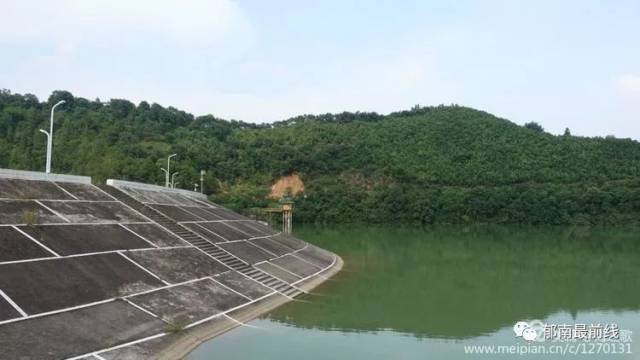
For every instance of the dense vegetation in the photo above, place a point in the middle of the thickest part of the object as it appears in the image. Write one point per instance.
(444, 164)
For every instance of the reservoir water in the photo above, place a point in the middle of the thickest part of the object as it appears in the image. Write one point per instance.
(436, 292)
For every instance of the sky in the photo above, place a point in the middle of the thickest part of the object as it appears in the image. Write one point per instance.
(572, 64)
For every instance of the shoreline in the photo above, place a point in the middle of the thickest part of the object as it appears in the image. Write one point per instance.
(180, 345)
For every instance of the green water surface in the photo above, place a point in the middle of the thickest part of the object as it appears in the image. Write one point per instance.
(426, 293)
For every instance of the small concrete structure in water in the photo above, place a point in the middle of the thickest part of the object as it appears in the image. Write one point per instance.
(131, 270)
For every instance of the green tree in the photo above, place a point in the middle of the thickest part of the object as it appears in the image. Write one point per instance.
(438, 164)
(534, 126)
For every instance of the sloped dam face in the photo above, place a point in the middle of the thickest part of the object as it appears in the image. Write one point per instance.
(131, 270)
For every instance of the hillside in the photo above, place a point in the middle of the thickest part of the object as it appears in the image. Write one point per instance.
(445, 164)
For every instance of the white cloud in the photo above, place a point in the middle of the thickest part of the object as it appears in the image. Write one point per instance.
(628, 85)
(214, 80)
(140, 50)
(189, 22)
(370, 82)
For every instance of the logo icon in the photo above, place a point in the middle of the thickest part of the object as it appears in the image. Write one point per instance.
(530, 331)
(519, 327)
(529, 334)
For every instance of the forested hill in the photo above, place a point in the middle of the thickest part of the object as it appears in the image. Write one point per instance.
(445, 164)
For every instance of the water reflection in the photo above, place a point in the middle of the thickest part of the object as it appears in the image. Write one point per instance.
(461, 282)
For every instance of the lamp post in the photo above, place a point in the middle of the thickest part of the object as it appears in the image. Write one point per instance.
(201, 181)
(167, 183)
(50, 137)
(173, 179)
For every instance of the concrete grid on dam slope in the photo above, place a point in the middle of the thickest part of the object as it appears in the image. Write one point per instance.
(102, 272)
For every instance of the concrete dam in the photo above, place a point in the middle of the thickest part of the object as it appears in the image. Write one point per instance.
(135, 271)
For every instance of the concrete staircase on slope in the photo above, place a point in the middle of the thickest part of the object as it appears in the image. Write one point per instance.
(203, 244)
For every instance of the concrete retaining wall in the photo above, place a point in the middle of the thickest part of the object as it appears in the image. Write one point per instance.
(36, 175)
(137, 185)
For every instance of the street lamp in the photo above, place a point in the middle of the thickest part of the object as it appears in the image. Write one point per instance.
(166, 171)
(50, 137)
(202, 181)
(173, 179)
